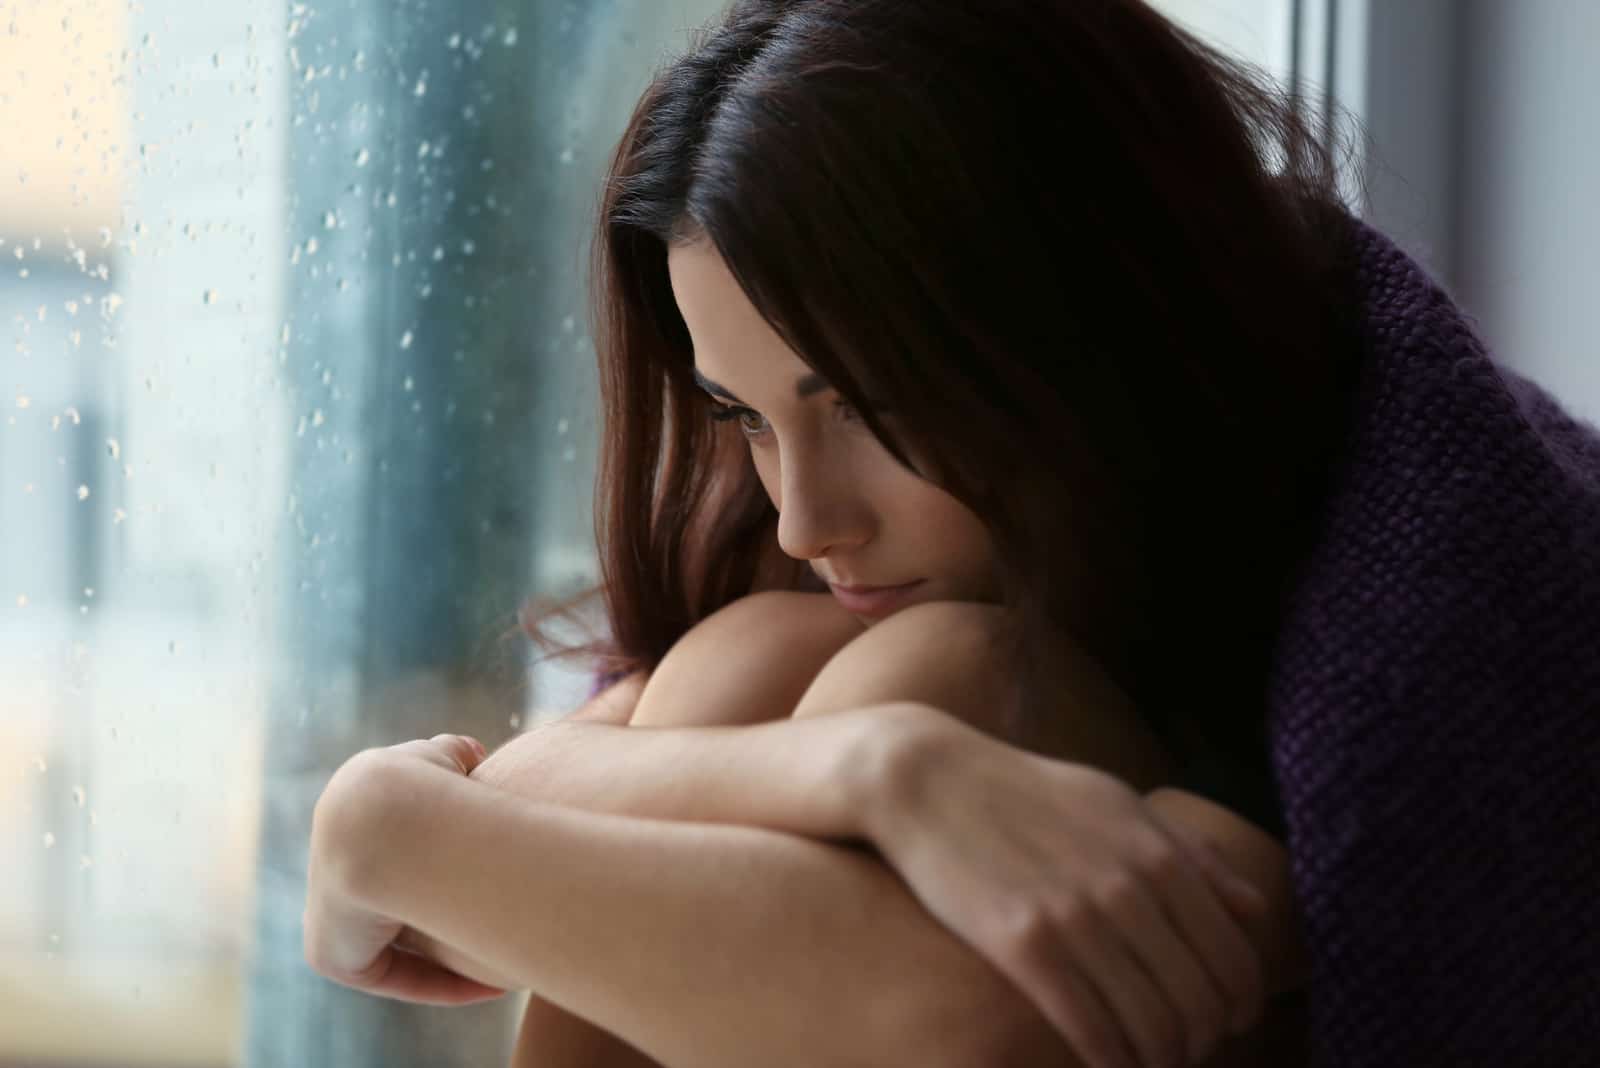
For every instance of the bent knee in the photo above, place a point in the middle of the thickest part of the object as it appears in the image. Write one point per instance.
(747, 662)
(949, 654)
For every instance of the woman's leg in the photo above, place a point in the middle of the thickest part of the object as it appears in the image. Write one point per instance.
(951, 655)
(947, 655)
(748, 662)
(552, 1037)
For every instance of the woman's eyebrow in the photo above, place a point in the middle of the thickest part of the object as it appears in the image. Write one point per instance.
(805, 387)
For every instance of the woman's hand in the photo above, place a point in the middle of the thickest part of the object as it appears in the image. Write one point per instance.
(344, 940)
(1125, 935)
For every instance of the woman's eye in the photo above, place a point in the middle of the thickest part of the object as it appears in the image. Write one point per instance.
(751, 425)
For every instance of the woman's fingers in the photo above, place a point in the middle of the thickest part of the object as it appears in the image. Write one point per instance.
(1041, 966)
(408, 977)
(1149, 1021)
(1137, 916)
(1205, 925)
(454, 752)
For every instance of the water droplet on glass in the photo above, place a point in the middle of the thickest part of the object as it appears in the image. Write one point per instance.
(405, 340)
(390, 200)
(363, 158)
(49, 843)
(327, 378)
(438, 253)
(88, 591)
(78, 795)
(211, 296)
(329, 220)
(454, 42)
(118, 516)
(423, 149)
(23, 400)
(216, 59)
(510, 39)
(84, 863)
(72, 413)
(312, 246)
(421, 89)
(468, 248)
(113, 449)
(22, 602)
(316, 417)
(172, 647)
(83, 493)
(409, 384)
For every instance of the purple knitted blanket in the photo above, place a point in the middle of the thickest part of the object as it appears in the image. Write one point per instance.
(1436, 708)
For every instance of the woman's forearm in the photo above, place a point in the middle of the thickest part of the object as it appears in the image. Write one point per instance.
(811, 776)
(814, 777)
(701, 945)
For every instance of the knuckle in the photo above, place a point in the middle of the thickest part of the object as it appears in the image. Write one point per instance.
(1117, 894)
(1160, 862)
(1025, 932)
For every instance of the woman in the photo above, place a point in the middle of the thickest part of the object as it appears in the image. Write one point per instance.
(1124, 429)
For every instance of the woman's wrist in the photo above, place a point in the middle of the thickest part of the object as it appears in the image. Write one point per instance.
(893, 764)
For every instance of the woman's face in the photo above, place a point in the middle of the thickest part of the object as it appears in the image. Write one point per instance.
(845, 504)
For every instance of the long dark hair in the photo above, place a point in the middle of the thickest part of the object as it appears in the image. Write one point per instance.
(1099, 267)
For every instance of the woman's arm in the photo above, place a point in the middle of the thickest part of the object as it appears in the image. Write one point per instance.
(700, 945)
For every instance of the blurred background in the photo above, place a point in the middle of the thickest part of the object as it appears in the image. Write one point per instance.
(298, 407)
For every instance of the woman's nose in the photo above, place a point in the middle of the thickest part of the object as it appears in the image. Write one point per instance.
(818, 514)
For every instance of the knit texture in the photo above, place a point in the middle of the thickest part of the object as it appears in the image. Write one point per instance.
(1436, 707)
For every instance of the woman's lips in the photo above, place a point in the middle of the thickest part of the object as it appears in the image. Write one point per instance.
(873, 600)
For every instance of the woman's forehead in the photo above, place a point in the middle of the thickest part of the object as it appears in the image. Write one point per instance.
(735, 349)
